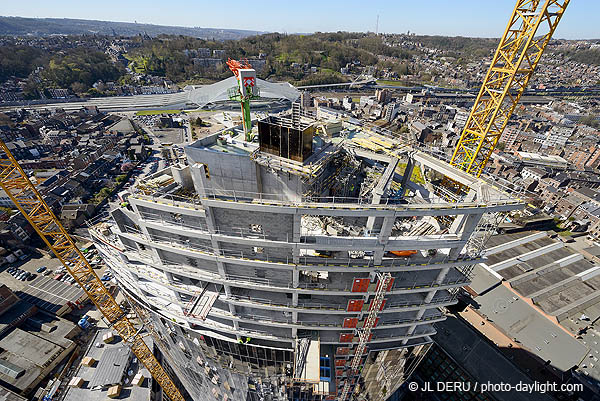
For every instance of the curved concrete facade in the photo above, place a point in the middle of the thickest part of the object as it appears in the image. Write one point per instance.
(258, 296)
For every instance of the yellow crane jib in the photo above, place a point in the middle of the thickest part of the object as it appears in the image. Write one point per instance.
(31, 204)
(514, 62)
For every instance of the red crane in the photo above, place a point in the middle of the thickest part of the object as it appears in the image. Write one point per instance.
(244, 91)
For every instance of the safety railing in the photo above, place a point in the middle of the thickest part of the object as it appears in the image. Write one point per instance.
(269, 302)
(337, 307)
(234, 232)
(411, 304)
(310, 285)
(320, 323)
(365, 262)
(311, 202)
(372, 241)
(416, 333)
(211, 324)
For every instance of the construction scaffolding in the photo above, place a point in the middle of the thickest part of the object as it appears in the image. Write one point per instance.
(364, 335)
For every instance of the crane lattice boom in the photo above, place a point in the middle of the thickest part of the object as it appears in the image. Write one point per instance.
(513, 65)
(30, 203)
(235, 66)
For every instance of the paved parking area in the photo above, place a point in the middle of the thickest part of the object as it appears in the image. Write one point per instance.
(31, 266)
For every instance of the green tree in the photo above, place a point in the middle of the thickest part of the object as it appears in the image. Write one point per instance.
(78, 88)
(81, 66)
(590, 121)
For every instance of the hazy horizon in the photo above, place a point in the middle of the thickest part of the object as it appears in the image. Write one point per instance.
(467, 18)
(265, 32)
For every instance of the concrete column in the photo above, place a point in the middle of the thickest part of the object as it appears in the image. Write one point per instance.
(221, 268)
(210, 222)
(142, 225)
(295, 320)
(259, 186)
(370, 223)
(295, 299)
(228, 294)
(442, 275)
(465, 228)
(210, 219)
(383, 238)
(470, 225)
(169, 277)
(427, 300)
(465, 224)
(409, 332)
(429, 296)
(410, 166)
(182, 176)
(134, 206)
(295, 277)
(296, 233)
(296, 229)
(419, 315)
(199, 179)
(178, 296)
(155, 255)
(459, 221)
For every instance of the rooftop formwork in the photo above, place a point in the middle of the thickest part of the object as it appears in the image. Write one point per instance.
(261, 269)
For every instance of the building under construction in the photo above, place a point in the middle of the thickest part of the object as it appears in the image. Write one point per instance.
(305, 264)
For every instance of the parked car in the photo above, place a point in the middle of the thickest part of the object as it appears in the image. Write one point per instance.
(41, 269)
(31, 276)
(58, 276)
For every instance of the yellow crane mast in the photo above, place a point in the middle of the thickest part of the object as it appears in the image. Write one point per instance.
(30, 203)
(513, 65)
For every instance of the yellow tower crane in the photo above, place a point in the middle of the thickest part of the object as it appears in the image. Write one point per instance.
(513, 65)
(30, 203)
